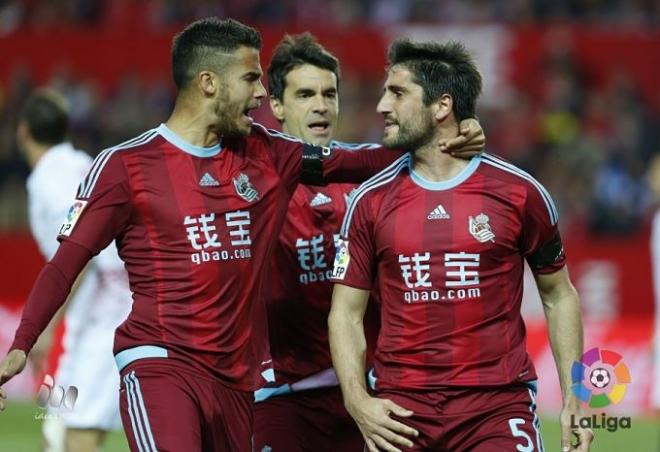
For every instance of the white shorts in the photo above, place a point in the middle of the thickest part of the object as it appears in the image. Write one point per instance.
(89, 366)
(87, 361)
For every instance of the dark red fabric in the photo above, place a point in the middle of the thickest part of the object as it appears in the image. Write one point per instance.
(196, 253)
(448, 262)
(300, 289)
(313, 420)
(475, 419)
(185, 409)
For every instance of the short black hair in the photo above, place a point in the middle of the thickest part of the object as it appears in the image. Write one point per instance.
(293, 51)
(197, 46)
(441, 69)
(46, 115)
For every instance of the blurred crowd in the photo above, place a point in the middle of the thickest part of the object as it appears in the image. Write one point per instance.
(589, 145)
(156, 14)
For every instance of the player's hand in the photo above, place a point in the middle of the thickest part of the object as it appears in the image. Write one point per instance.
(583, 436)
(380, 431)
(470, 141)
(11, 365)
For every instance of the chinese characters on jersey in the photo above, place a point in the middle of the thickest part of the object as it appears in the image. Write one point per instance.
(312, 259)
(461, 277)
(202, 233)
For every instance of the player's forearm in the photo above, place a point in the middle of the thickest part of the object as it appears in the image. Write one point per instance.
(346, 166)
(49, 293)
(348, 347)
(562, 311)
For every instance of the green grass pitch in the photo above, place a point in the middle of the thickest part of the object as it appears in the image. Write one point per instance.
(20, 432)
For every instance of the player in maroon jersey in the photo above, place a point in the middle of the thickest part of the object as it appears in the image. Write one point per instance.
(193, 206)
(303, 408)
(445, 241)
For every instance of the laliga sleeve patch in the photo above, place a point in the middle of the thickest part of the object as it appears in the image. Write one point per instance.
(72, 217)
(342, 258)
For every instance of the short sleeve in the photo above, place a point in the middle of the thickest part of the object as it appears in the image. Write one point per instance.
(285, 152)
(542, 245)
(355, 251)
(102, 206)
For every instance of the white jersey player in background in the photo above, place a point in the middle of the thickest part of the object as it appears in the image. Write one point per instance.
(653, 179)
(102, 299)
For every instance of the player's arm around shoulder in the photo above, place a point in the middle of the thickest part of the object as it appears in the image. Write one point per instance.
(348, 348)
(561, 305)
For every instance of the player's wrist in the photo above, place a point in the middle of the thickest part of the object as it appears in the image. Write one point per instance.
(18, 353)
(355, 399)
(570, 402)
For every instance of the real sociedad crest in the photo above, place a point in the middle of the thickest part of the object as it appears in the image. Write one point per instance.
(245, 189)
(480, 229)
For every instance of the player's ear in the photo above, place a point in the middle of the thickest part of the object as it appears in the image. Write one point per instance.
(443, 107)
(208, 82)
(22, 131)
(277, 108)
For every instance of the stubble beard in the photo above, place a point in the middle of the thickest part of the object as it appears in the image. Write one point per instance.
(229, 116)
(412, 135)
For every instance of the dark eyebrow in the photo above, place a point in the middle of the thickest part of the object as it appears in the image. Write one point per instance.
(394, 88)
(304, 91)
(252, 75)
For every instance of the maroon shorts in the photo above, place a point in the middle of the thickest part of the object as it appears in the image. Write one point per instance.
(167, 406)
(313, 420)
(474, 419)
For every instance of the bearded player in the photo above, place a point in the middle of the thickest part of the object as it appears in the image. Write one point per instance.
(193, 205)
(445, 241)
(303, 408)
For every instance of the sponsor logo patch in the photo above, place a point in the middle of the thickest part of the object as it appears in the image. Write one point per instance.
(342, 259)
(72, 217)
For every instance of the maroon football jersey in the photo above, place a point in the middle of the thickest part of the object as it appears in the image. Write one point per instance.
(448, 259)
(300, 292)
(196, 228)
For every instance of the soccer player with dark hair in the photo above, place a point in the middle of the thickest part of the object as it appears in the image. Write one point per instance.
(193, 206)
(303, 408)
(445, 241)
(80, 354)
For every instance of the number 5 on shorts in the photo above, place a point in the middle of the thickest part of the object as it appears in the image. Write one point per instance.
(513, 424)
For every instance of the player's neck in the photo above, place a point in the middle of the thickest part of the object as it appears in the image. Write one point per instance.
(433, 164)
(192, 126)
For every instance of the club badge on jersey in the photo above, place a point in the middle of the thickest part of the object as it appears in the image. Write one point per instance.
(72, 217)
(342, 258)
(245, 189)
(480, 229)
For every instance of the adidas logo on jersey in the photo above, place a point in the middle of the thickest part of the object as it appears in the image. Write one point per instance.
(319, 200)
(439, 213)
(208, 181)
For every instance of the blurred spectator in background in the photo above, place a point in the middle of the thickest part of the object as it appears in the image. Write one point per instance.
(587, 137)
(81, 356)
(653, 179)
(15, 14)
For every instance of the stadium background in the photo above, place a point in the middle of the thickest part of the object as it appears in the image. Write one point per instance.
(572, 96)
